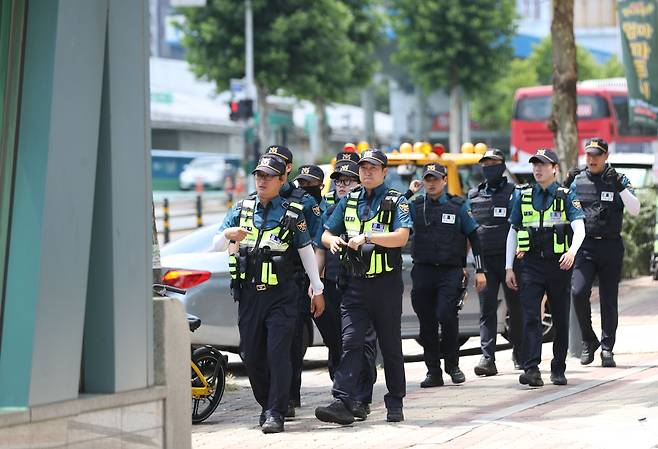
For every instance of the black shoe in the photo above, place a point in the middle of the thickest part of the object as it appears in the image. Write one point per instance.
(273, 424)
(359, 410)
(607, 359)
(395, 414)
(486, 367)
(517, 363)
(558, 378)
(335, 412)
(432, 380)
(587, 354)
(456, 375)
(532, 378)
(261, 418)
(290, 412)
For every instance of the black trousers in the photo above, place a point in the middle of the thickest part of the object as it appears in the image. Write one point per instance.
(297, 346)
(541, 276)
(266, 321)
(602, 258)
(434, 299)
(330, 327)
(495, 266)
(374, 302)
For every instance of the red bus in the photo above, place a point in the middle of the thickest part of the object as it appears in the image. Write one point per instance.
(602, 111)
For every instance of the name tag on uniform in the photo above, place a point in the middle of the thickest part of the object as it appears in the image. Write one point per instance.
(448, 218)
(607, 196)
(275, 239)
(556, 215)
(377, 227)
(500, 211)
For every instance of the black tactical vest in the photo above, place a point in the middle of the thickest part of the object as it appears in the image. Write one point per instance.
(492, 212)
(438, 238)
(602, 205)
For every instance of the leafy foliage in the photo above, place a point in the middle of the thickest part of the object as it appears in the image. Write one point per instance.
(448, 43)
(638, 236)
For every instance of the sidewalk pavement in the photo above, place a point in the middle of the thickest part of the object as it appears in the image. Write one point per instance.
(599, 408)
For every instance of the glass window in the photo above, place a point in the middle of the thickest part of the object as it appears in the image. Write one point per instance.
(539, 108)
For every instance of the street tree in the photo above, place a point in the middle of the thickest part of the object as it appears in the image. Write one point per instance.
(300, 48)
(454, 45)
(562, 122)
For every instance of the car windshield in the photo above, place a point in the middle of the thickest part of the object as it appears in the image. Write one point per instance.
(195, 242)
(539, 108)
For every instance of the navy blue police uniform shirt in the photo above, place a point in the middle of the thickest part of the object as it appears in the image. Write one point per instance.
(301, 236)
(367, 208)
(312, 211)
(467, 223)
(541, 201)
(624, 181)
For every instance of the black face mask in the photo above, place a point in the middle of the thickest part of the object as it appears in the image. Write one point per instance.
(315, 192)
(493, 173)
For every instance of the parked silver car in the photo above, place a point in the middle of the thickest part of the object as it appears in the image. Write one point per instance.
(188, 263)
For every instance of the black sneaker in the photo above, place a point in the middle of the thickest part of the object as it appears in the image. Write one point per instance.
(532, 378)
(290, 412)
(456, 375)
(335, 412)
(394, 414)
(273, 424)
(587, 354)
(486, 367)
(432, 380)
(558, 378)
(359, 410)
(261, 418)
(607, 359)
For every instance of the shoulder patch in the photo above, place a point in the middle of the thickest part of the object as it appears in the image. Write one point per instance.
(302, 226)
(404, 207)
(316, 210)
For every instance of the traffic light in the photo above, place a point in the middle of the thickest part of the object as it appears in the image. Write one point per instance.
(241, 110)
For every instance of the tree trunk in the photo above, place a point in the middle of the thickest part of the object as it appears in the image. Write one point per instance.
(565, 75)
(368, 106)
(455, 119)
(321, 128)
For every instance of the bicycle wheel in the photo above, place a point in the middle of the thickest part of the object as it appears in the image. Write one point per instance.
(213, 368)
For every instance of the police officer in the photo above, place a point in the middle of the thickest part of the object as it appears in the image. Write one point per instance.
(377, 223)
(603, 193)
(311, 211)
(490, 203)
(268, 230)
(335, 280)
(442, 223)
(543, 217)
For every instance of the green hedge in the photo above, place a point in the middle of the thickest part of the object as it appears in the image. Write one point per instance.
(638, 235)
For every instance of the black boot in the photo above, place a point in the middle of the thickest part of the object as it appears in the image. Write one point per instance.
(486, 367)
(607, 359)
(335, 412)
(531, 377)
(359, 410)
(587, 354)
(456, 375)
(558, 378)
(395, 414)
(272, 424)
(432, 380)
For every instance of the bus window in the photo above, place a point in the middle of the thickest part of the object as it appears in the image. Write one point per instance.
(620, 103)
(539, 108)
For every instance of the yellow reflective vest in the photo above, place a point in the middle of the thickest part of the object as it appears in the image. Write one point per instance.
(545, 232)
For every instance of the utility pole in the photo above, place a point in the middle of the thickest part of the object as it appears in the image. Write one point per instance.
(250, 91)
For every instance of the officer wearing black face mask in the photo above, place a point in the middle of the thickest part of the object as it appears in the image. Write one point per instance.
(490, 205)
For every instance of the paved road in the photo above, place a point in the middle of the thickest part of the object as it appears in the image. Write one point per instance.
(600, 408)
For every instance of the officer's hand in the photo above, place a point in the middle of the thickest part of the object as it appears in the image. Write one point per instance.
(510, 279)
(613, 176)
(520, 254)
(317, 305)
(356, 242)
(415, 185)
(336, 243)
(480, 282)
(571, 176)
(237, 234)
(566, 261)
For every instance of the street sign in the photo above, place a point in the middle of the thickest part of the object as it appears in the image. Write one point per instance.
(638, 21)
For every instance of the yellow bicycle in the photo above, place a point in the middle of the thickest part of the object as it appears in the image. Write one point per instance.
(209, 368)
